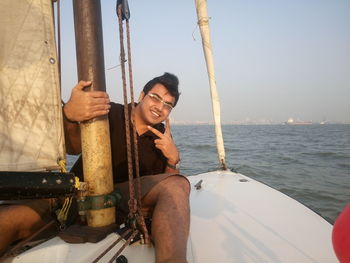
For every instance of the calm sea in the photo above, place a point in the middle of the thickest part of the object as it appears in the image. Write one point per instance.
(310, 163)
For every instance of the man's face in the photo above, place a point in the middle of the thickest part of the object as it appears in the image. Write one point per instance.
(156, 105)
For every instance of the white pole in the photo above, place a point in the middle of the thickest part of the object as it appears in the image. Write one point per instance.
(203, 22)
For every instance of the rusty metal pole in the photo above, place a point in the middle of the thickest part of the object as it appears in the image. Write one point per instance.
(96, 149)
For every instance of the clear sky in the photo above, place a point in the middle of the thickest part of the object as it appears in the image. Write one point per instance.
(274, 59)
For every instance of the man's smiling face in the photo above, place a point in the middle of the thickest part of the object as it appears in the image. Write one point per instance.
(156, 105)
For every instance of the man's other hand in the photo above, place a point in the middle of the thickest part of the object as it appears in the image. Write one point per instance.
(86, 105)
(166, 144)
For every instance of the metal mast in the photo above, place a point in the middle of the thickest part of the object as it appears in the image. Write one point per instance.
(96, 148)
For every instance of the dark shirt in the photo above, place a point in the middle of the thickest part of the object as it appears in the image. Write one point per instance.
(151, 159)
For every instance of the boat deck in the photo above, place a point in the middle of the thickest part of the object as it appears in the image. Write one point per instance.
(233, 219)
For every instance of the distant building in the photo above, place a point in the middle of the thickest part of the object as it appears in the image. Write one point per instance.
(291, 121)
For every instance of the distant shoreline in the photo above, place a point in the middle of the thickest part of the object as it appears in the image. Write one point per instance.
(280, 123)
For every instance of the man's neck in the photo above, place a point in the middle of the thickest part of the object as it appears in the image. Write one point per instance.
(141, 126)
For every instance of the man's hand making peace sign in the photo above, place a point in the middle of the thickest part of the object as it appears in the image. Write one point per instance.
(166, 144)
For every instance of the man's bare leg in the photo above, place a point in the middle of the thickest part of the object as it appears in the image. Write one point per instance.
(17, 222)
(171, 218)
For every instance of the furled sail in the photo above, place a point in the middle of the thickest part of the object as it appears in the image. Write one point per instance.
(203, 23)
(31, 131)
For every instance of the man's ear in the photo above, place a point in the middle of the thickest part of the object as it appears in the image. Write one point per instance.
(141, 96)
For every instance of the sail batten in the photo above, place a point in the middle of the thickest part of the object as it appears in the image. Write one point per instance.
(31, 127)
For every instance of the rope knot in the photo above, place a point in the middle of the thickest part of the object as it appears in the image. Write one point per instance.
(204, 21)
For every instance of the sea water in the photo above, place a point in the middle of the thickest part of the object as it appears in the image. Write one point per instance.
(310, 163)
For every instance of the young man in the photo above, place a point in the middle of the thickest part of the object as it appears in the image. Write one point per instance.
(165, 194)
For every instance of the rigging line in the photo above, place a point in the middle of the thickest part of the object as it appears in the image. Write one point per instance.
(132, 201)
(23, 243)
(194, 39)
(115, 66)
(141, 219)
(58, 10)
(134, 206)
(197, 26)
(124, 246)
(112, 246)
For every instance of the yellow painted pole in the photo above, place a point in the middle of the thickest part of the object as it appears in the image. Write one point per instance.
(96, 148)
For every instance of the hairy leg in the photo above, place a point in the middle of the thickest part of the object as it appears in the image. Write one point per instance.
(17, 222)
(169, 201)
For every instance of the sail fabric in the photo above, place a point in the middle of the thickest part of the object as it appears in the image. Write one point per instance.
(203, 23)
(31, 127)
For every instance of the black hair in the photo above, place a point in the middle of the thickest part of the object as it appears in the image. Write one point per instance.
(169, 81)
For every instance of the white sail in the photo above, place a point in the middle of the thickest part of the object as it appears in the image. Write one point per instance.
(31, 129)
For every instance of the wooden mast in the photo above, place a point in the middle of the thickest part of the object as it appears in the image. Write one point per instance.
(96, 149)
(203, 22)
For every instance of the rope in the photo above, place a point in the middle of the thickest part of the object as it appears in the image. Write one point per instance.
(13, 251)
(123, 246)
(134, 205)
(111, 246)
(132, 201)
(140, 219)
(131, 86)
(203, 21)
(62, 164)
(62, 214)
(58, 8)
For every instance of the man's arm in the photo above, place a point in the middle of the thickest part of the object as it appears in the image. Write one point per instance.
(82, 106)
(166, 144)
(71, 135)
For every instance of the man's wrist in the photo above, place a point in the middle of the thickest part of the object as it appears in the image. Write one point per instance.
(65, 116)
(174, 164)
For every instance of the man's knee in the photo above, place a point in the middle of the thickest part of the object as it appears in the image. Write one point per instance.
(177, 184)
(173, 186)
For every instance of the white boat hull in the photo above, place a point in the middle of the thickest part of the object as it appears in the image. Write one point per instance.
(233, 219)
(237, 219)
